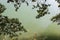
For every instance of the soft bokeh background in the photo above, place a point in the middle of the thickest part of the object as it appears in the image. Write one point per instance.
(27, 15)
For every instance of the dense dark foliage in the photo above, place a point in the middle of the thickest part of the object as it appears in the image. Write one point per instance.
(9, 26)
(42, 10)
(56, 19)
(2, 8)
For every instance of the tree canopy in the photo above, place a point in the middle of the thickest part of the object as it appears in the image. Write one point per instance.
(9, 26)
(43, 8)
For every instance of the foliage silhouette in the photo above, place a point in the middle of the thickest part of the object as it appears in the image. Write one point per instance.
(9, 26)
(17, 3)
(56, 19)
(42, 11)
(2, 8)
